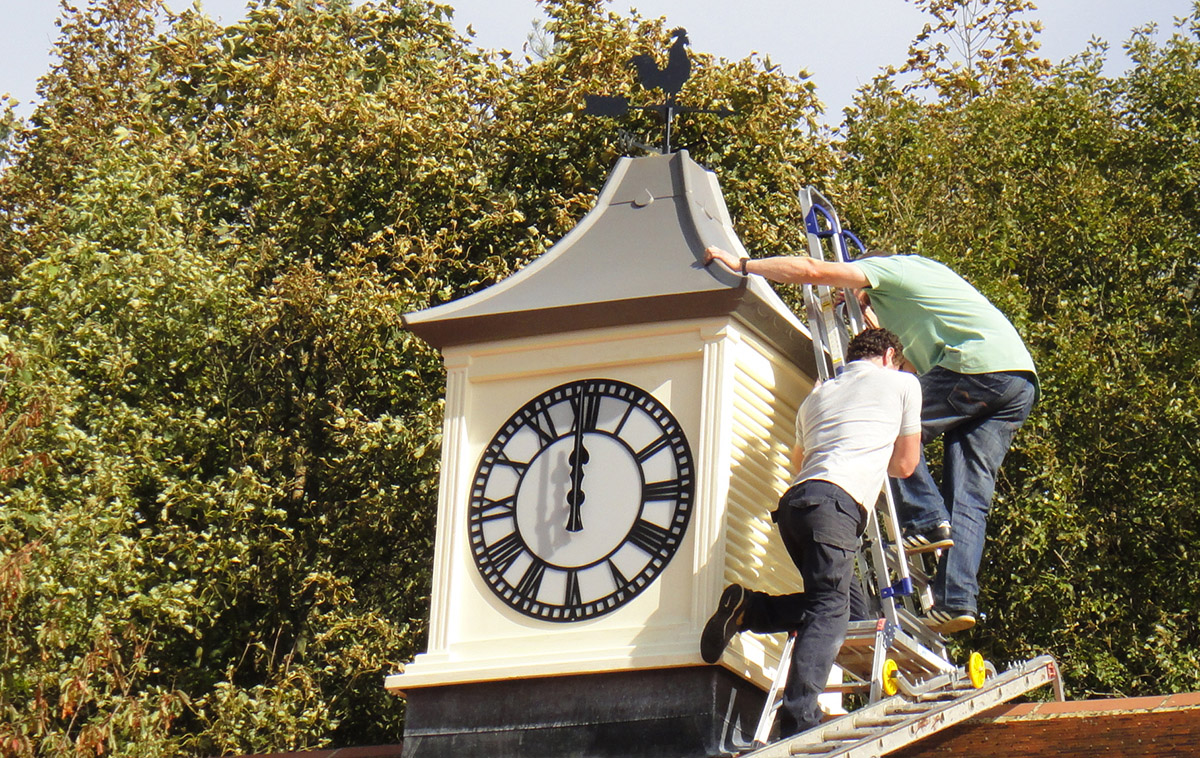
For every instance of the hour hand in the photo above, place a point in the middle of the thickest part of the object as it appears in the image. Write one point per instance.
(575, 496)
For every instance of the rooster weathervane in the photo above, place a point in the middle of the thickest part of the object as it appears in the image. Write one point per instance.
(669, 79)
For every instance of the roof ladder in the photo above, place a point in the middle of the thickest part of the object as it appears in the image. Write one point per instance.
(915, 712)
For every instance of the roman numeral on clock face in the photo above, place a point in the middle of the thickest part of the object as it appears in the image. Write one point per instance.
(587, 411)
(496, 509)
(653, 448)
(649, 537)
(670, 489)
(519, 466)
(543, 425)
(573, 595)
(504, 552)
(531, 581)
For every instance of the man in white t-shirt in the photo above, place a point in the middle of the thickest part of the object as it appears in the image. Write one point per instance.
(852, 432)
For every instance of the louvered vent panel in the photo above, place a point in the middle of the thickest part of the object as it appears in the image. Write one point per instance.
(767, 392)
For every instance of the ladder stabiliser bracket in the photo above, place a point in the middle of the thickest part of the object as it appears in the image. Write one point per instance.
(902, 587)
(813, 224)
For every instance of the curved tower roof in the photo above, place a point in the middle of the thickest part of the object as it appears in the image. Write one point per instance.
(637, 257)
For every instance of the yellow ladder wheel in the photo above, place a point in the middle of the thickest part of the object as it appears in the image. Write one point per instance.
(891, 684)
(976, 670)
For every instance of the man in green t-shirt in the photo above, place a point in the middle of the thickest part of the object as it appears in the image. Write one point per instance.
(978, 385)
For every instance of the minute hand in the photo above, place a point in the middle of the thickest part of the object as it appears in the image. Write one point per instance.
(578, 457)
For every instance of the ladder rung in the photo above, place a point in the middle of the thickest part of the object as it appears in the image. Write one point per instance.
(817, 747)
(937, 696)
(881, 721)
(909, 709)
(847, 735)
(848, 687)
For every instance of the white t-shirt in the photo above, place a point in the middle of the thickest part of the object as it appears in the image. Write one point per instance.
(849, 424)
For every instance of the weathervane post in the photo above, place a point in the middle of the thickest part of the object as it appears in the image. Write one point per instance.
(668, 116)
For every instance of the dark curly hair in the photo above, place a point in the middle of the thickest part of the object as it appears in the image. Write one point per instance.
(872, 343)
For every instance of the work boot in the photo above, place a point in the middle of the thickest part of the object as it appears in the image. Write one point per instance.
(725, 623)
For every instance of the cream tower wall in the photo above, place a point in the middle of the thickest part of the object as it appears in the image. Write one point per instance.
(734, 396)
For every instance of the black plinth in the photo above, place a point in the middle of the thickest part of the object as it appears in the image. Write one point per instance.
(689, 712)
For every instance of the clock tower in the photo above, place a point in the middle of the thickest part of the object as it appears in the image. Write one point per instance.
(617, 427)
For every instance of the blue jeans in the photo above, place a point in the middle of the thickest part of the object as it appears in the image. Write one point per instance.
(977, 415)
(820, 525)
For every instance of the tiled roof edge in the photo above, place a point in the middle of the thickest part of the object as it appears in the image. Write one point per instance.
(1091, 708)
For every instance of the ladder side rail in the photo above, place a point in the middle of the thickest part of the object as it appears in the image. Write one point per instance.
(878, 658)
(919, 598)
(916, 627)
(837, 254)
(930, 654)
(826, 365)
(918, 602)
(837, 235)
(887, 601)
(887, 605)
(817, 327)
(854, 311)
(920, 574)
(818, 299)
(835, 327)
(762, 733)
(904, 579)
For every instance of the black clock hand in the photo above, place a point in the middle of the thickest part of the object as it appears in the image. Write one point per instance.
(578, 457)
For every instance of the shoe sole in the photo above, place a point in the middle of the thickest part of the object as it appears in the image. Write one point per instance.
(929, 547)
(956, 624)
(721, 626)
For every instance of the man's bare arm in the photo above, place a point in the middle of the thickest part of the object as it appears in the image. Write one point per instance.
(793, 269)
(906, 453)
(797, 459)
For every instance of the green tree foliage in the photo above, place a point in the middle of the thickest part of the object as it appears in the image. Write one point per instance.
(1060, 197)
(973, 45)
(237, 495)
(219, 446)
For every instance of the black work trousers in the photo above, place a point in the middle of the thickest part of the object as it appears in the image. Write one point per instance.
(820, 525)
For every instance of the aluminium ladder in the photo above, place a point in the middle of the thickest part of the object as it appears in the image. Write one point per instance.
(912, 687)
(916, 712)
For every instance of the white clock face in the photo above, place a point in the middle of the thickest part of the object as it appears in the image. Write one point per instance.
(580, 500)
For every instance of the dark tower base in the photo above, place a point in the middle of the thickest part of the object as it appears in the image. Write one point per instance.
(666, 713)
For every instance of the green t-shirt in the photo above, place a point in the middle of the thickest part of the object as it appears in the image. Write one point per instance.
(941, 319)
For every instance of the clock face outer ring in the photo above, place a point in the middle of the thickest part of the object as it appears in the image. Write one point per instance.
(555, 555)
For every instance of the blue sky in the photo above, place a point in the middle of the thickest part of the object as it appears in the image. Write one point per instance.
(842, 43)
